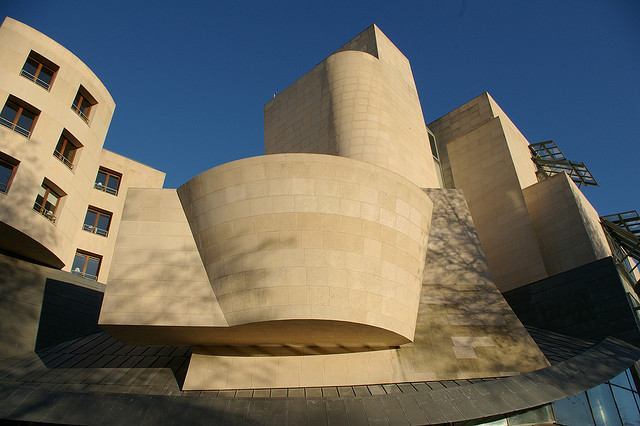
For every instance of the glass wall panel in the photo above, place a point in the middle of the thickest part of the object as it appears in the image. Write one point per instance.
(626, 406)
(621, 380)
(602, 406)
(532, 417)
(573, 410)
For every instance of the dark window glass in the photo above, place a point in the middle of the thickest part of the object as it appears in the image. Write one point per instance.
(97, 221)
(66, 150)
(46, 75)
(26, 119)
(90, 218)
(104, 221)
(626, 406)
(86, 265)
(9, 111)
(78, 263)
(113, 183)
(39, 70)
(434, 147)
(107, 181)
(6, 172)
(31, 66)
(101, 178)
(47, 202)
(573, 410)
(93, 264)
(18, 117)
(82, 103)
(602, 406)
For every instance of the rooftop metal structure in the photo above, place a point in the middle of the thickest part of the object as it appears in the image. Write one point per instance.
(550, 161)
(623, 230)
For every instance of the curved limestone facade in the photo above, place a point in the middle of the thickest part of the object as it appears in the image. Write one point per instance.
(313, 237)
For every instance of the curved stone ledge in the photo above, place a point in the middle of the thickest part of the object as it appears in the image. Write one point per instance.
(311, 237)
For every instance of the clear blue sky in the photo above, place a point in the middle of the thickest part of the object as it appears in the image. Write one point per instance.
(190, 78)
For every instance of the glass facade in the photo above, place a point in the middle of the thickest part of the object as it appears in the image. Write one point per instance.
(615, 402)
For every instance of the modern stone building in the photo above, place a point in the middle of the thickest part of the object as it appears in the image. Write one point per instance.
(370, 268)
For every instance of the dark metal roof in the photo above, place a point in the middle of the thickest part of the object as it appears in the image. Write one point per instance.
(98, 380)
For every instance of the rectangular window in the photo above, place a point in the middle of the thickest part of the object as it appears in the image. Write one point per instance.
(40, 70)
(108, 181)
(67, 148)
(86, 264)
(434, 146)
(8, 168)
(19, 116)
(97, 221)
(83, 104)
(48, 200)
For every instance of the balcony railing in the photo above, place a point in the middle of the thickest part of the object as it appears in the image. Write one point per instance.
(44, 212)
(35, 79)
(14, 127)
(104, 188)
(60, 156)
(77, 109)
(95, 230)
(84, 274)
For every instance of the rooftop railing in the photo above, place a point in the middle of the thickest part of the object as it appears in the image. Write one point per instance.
(84, 274)
(14, 127)
(60, 156)
(44, 212)
(104, 188)
(35, 79)
(95, 230)
(77, 109)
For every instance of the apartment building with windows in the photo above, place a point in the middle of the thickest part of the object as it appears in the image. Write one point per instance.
(60, 191)
(370, 269)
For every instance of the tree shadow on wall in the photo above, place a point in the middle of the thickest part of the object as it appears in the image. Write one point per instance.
(459, 299)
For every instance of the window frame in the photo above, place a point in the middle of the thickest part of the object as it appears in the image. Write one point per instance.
(12, 163)
(21, 107)
(49, 188)
(87, 255)
(109, 174)
(83, 95)
(67, 139)
(93, 228)
(43, 63)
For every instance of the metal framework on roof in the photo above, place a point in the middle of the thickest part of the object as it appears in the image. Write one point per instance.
(550, 161)
(623, 230)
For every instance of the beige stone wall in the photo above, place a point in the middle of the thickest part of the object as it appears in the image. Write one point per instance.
(302, 236)
(465, 328)
(157, 277)
(456, 123)
(59, 240)
(134, 175)
(567, 225)
(482, 165)
(359, 106)
(522, 224)
(298, 249)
